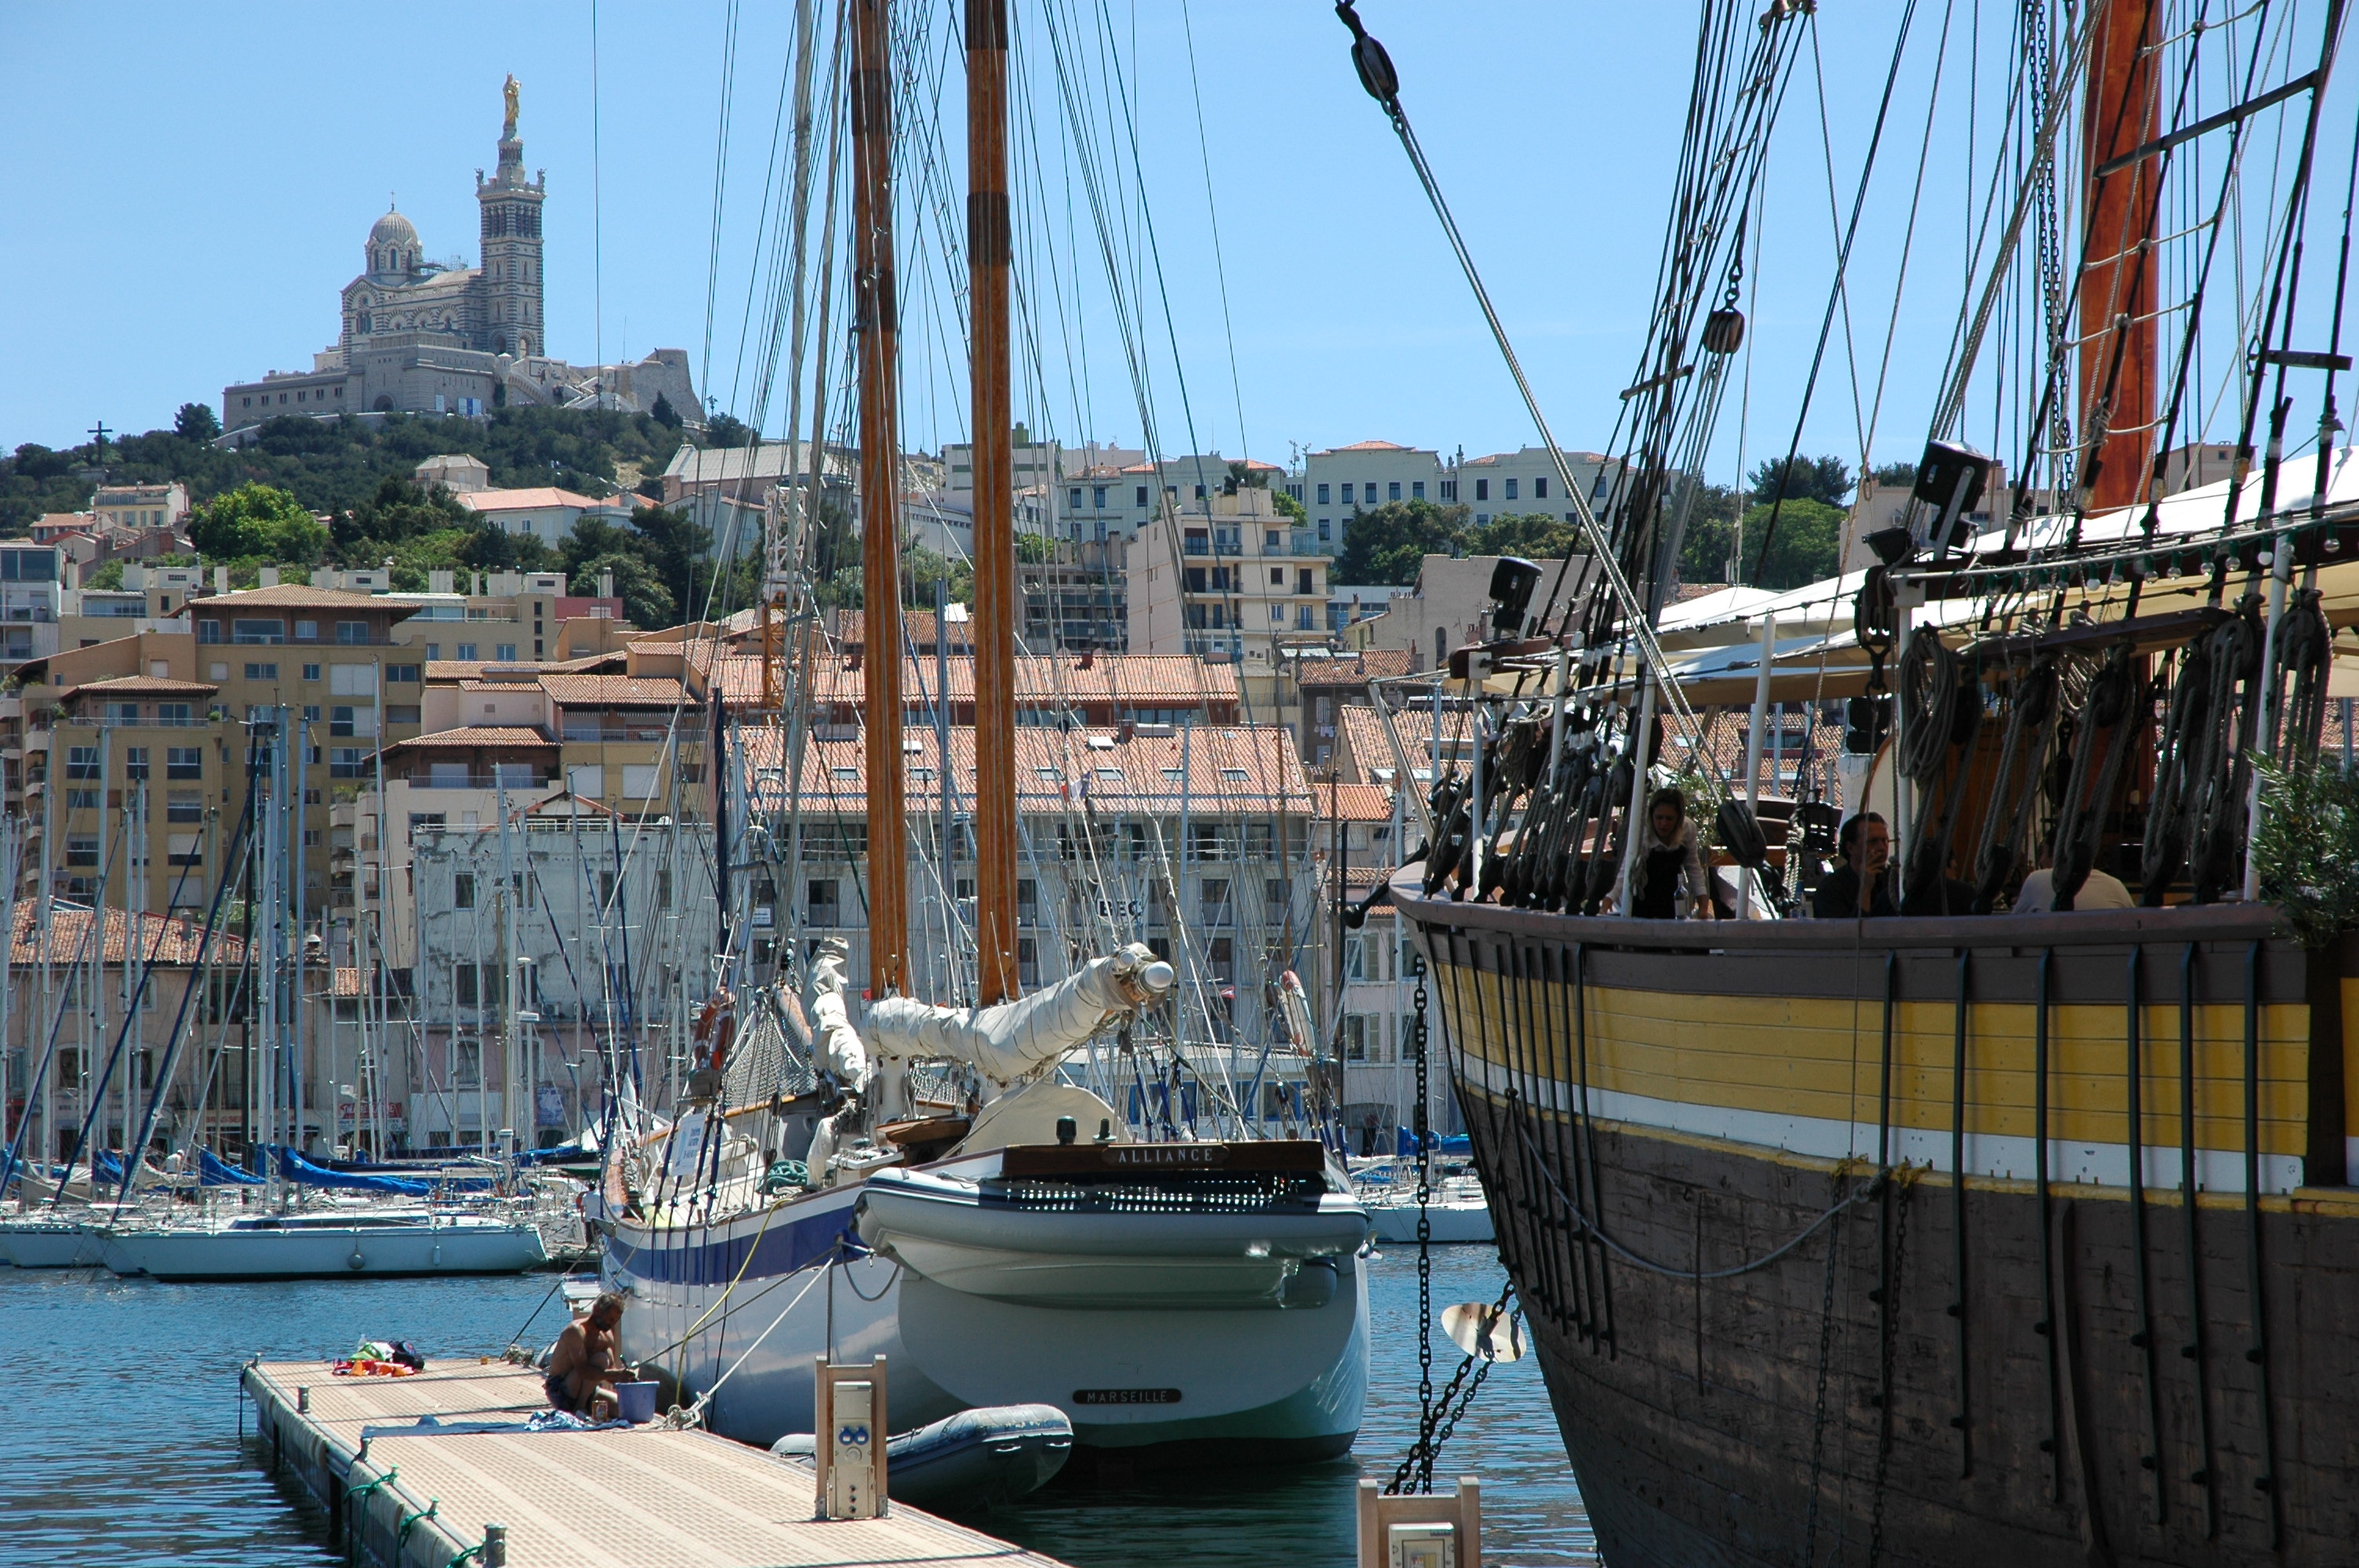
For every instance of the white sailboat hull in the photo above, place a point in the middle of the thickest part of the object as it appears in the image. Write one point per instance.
(461, 1246)
(48, 1244)
(1217, 1368)
(1455, 1223)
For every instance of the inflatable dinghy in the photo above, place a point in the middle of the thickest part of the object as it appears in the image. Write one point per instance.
(970, 1460)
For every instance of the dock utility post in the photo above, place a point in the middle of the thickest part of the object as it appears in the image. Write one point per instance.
(849, 1444)
(1422, 1532)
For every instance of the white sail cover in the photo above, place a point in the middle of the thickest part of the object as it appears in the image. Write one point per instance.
(836, 1044)
(1005, 1042)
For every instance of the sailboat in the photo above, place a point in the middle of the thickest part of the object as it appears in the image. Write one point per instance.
(922, 1182)
(1947, 1235)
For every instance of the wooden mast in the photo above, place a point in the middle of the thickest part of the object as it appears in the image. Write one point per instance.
(876, 320)
(995, 527)
(2121, 112)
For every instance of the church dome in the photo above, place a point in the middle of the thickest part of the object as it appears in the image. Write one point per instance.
(392, 229)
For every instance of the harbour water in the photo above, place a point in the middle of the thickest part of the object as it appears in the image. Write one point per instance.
(121, 1441)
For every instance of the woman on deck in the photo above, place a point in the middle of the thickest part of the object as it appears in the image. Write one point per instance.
(1670, 862)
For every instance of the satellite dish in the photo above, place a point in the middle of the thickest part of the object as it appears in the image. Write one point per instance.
(1480, 1329)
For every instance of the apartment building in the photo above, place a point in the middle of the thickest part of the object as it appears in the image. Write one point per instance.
(1524, 481)
(1105, 501)
(1326, 682)
(1227, 584)
(69, 997)
(1339, 483)
(542, 949)
(29, 603)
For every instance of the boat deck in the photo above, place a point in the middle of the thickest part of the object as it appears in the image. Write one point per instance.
(454, 1446)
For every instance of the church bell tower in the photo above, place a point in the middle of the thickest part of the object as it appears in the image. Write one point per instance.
(511, 248)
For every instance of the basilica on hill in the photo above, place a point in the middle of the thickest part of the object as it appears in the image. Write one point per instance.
(419, 336)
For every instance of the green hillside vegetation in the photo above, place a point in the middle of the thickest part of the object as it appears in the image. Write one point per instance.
(338, 465)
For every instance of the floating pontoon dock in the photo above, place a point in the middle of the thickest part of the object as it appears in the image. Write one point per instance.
(414, 1471)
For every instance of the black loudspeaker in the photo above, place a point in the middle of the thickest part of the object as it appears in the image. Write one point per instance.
(1940, 473)
(1512, 581)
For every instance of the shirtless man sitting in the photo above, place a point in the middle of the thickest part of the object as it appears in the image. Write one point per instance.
(581, 1367)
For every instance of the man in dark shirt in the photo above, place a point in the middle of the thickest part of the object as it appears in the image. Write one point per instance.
(1862, 885)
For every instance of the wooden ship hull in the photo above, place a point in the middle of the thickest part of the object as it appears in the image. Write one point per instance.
(2024, 1347)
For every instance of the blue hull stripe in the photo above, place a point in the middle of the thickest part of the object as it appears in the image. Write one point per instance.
(785, 1247)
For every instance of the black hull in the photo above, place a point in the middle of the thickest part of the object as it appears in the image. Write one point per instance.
(1955, 1431)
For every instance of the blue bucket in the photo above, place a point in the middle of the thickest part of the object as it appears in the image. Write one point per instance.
(635, 1402)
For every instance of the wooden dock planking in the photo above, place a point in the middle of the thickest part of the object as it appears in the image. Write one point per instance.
(569, 1500)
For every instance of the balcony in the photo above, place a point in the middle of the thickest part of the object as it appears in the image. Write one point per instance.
(481, 781)
(602, 735)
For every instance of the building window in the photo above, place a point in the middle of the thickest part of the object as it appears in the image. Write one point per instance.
(135, 762)
(208, 631)
(1322, 495)
(184, 762)
(310, 672)
(821, 905)
(81, 850)
(504, 653)
(1142, 496)
(433, 650)
(1481, 490)
(463, 890)
(1511, 489)
(81, 762)
(1416, 490)
(311, 713)
(307, 630)
(467, 650)
(1539, 487)
(1392, 490)
(1347, 495)
(174, 713)
(259, 630)
(262, 672)
(400, 673)
(1325, 533)
(184, 805)
(1097, 496)
(1449, 489)
(352, 632)
(347, 761)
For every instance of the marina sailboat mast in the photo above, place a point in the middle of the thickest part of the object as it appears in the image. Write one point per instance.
(988, 248)
(874, 319)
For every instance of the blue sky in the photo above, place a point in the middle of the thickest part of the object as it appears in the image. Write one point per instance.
(184, 190)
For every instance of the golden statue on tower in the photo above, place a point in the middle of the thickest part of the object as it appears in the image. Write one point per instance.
(507, 132)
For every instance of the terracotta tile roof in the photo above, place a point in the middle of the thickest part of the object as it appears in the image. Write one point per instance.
(1363, 733)
(613, 691)
(471, 737)
(141, 686)
(1229, 770)
(1049, 680)
(532, 497)
(916, 629)
(295, 595)
(1373, 446)
(455, 669)
(169, 939)
(1374, 663)
(738, 679)
(1352, 802)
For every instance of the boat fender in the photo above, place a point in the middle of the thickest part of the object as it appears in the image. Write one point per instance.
(356, 1261)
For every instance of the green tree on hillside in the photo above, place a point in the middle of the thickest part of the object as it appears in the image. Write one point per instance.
(1535, 536)
(257, 523)
(195, 422)
(1808, 547)
(1388, 544)
(1825, 480)
(646, 603)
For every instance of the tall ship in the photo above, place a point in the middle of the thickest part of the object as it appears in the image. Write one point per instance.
(1993, 1205)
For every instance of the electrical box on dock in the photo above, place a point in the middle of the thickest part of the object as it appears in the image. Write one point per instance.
(1442, 1531)
(848, 1419)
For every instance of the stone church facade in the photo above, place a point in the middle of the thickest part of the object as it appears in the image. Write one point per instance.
(419, 337)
